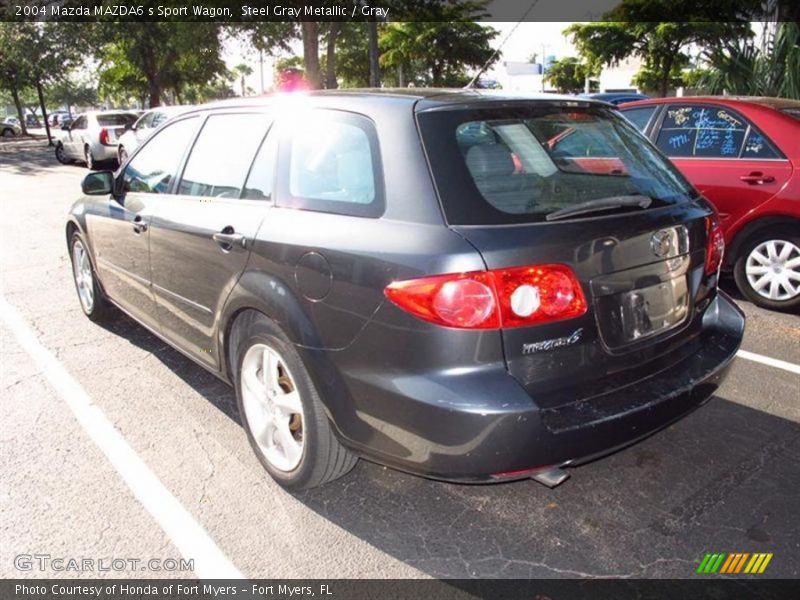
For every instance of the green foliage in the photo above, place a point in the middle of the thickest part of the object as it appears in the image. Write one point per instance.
(437, 54)
(152, 58)
(34, 56)
(740, 67)
(631, 29)
(568, 75)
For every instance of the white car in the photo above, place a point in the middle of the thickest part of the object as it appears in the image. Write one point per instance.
(93, 136)
(141, 130)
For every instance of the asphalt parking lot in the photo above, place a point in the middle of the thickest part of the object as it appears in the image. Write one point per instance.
(725, 479)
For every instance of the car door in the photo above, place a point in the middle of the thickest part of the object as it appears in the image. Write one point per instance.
(73, 144)
(121, 237)
(725, 156)
(201, 237)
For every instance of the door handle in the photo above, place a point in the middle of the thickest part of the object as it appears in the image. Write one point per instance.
(227, 239)
(139, 226)
(757, 178)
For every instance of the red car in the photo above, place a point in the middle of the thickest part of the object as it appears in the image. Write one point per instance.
(743, 154)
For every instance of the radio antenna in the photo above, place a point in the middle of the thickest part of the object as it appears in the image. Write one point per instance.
(474, 80)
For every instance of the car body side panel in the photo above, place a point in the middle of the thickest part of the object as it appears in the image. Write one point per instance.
(192, 274)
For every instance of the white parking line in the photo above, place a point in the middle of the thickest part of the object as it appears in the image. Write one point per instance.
(772, 362)
(192, 541)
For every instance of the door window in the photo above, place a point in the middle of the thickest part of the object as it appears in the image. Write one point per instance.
(146, 122)
(334, 165)
(215, 167)
(80, 123)
(152, 169)
(758, 147)
(701, 131)
(640, 117)
(262, 173)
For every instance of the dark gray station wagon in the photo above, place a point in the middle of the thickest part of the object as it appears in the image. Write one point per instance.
(461, 285)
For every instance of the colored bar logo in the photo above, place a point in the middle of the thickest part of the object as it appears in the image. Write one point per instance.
(734, 563)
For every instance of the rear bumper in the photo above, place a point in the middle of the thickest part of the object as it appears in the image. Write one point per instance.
(471, 426)
(102, 152)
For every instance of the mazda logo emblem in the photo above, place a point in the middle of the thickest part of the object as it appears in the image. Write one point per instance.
(661, 243)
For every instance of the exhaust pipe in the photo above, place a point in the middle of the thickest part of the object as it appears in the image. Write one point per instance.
(551, 477)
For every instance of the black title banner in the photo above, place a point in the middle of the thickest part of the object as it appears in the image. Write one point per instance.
(226, 11)
(387, 589)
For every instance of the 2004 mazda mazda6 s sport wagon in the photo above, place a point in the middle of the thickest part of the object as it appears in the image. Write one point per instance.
(465, 286)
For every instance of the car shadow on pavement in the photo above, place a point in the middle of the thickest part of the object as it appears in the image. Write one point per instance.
(33, 161)
(214, 390)
(724, 479)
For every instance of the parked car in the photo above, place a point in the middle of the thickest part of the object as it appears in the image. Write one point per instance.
(143, 127)
(92, 137)
(743, 154)
(428, 279)
(9, 129)
(58, 117)
(616, 97)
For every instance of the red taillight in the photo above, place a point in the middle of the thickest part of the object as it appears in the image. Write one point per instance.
(715, 247)
(104, 136)
(513, 297)
(466, 300)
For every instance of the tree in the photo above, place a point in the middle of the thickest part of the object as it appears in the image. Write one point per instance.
(162, 56)
(741, 67)
(437, 53)
(73, 90)
(242, 71)
(633, 28)
(568, 75)
(34, 56)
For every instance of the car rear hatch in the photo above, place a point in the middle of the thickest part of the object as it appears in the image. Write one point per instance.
(571, 184)
(113, 126)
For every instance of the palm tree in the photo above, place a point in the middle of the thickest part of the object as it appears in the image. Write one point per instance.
(740, 67)
(242, 71)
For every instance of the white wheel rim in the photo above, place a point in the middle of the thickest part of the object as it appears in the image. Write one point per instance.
(773, 270)
(272, 406)
(82, 271)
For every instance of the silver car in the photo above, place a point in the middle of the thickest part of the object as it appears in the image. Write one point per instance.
(9, 129)
(93, 137)
(141, 130)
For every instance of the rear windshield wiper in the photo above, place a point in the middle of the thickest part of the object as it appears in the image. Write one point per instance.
(601, 204)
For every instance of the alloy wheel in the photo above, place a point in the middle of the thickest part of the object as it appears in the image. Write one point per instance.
(84, 279)
(773, 270)
(272, 405)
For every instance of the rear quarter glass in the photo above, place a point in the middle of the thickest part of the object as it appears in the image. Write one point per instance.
(507, 165)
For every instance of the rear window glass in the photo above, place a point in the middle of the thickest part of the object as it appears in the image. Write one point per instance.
(517, 165)
(116, 120)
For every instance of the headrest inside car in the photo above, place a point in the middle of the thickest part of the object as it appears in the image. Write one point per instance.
(487, 160)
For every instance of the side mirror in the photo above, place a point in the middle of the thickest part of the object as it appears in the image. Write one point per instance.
(99, 183)
(129, 127)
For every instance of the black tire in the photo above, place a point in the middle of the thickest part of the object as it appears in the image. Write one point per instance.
(91, 163)
(8, 132)
(781, 233)
(61, 156)
(323, 457)
(100, 309)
